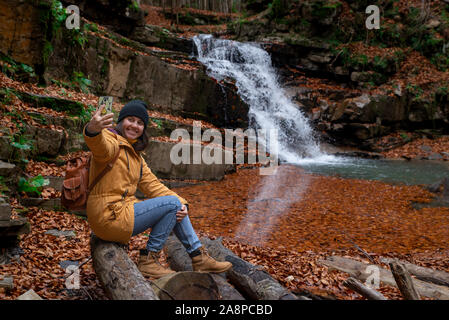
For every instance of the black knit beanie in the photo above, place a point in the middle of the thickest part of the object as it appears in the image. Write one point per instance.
(135, 108)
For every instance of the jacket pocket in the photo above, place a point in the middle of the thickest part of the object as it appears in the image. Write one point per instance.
(116, 209)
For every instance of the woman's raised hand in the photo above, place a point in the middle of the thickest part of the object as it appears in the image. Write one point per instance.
(99, 122)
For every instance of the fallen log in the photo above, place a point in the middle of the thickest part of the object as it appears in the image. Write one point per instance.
(7, 282)
(404, 281)
(186, 285)
(117, 273)
(252, 281)
(360, 288)
(179, 260)
(226, 290)
(422, 273)
(358, 269)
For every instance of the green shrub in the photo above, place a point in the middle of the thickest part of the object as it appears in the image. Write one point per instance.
(380, 64)
(32, 186)
(441, 61)
(278, 9)
(79, 81)
(15, 70)
(22, 143)
(354, 61)
(416, 91)
(6, 95)
(91, 27)
(134, 5)
(86, 114)
(158, 122)
(322, 9)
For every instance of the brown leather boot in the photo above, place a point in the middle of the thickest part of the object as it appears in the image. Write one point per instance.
(204, 263)
(150, 266)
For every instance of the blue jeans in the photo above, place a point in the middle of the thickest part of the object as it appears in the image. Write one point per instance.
(159, 214)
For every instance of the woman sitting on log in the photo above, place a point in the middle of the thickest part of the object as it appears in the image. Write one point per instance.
(114, 213)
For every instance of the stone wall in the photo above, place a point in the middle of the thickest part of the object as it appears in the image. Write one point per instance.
(126, 74)
(118, 15)
(21, 30)
(157, 155)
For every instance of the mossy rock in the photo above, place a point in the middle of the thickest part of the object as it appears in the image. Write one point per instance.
(57, 104)
(369, 77)
(299, 40)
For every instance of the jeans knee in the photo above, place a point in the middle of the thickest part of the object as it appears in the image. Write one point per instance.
(175, 201)
(173, 208)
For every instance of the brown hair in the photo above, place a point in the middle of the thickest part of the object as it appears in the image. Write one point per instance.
(142, 141)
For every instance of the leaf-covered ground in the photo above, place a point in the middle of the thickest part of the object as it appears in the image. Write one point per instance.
(283, 224)
(417, 149)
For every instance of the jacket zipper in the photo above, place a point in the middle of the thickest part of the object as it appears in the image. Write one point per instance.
(127, 159)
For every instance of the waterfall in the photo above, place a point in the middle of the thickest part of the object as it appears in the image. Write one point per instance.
(258, 86)
(269, 108)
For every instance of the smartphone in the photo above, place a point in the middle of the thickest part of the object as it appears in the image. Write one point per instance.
(107, 101)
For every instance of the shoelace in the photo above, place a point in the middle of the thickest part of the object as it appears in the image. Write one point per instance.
(155, 256)
(204, 252)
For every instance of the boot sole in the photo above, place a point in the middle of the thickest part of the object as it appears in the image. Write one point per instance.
(155, 276)
(213, 270)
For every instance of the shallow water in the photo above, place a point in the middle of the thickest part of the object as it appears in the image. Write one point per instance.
(415, 172)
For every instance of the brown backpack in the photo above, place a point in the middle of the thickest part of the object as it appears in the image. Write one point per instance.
(75, 188)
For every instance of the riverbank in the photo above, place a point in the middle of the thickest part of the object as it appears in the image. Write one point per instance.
(423, 148)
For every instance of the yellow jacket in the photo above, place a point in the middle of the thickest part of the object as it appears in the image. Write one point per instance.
(110, 206)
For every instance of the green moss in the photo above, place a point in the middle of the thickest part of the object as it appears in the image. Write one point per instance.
(105, 67)
(415, 91)
(39, 118)
(91, 27)
(278, 8)
(323, 9)
(133, 5)
(187, 18)
(6, 95)
(380, 64)
(16, 70)
(71, 107)
(46, 52)
(354, 60)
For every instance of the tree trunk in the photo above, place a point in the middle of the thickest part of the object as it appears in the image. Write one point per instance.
(179, 260)
(422, 273)
(404, 281)
(249, 279)
(117, 273)
(186, 286)
(360, 288)
(358, 269)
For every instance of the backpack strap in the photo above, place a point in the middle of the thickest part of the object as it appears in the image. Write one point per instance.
(105, 170)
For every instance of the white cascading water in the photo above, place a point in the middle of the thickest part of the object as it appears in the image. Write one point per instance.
(269, 107)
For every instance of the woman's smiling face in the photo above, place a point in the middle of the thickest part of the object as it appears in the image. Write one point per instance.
(132, 127)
